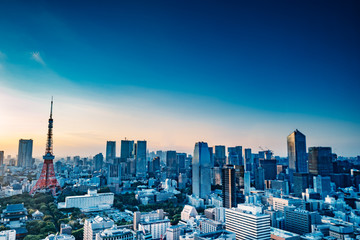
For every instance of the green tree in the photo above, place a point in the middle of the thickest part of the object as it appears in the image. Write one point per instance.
(78, 234)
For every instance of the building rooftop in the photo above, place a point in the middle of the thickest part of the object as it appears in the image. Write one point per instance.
(15, 208)
(282, 233)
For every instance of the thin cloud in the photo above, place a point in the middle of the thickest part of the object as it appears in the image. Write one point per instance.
(36, 56)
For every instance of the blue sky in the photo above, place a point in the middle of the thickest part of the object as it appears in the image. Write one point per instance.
(243, 73)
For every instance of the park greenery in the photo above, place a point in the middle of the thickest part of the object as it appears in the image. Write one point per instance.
(53, 217)
(39, 229)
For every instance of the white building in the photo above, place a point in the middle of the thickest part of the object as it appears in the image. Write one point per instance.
(196, 201)
(59, 237)
(95, 225)
(157, 228)
(173, 232)
(115, 233)
(8, 235)
(188, 212)
(248, 222)
(280, 203)
(92, 201)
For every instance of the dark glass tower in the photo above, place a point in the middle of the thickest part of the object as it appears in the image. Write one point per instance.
(296, 144)
(110, 151)
(172, 165)
(228, 186)
(320, 161)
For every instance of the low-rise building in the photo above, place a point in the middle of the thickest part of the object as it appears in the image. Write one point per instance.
(92, 201)
(8, 235)
(115, 233)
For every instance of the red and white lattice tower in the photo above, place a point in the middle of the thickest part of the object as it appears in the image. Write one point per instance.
(47, 179)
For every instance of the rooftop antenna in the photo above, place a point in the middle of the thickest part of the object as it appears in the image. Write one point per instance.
(52, 99)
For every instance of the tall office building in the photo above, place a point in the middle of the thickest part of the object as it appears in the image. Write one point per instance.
(141, 159)
(1, 158)
(296, 144)
(25, 153)
(235, 155)
(248, 222)
(201, 185)
(219, 157)
(172, 165)
(301, 183)
(228, 186)
(99, 161)
(127, 149)
(248, 159)
(181, 158)
(110, 151)
(320, 161)
(322, 185)
(211, 150)
(260, 178)
(270, 168)
(247, 183)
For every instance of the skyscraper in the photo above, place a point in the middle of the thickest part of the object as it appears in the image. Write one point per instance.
(201, 185)
(110, 151)
(296, 144)
(260, 178)
(1, 158)
(248, 159)
(141, 159)
(181, 158)
(172, 165)
(127, 149)
(228, 186)
(25, 153)
(99, 161)
(235, 155)
(220, 157)
(320, 161)
(247, 183)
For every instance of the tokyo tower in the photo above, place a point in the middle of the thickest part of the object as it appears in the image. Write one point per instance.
(47, 179)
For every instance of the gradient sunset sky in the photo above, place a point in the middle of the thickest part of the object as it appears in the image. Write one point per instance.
(177, 72)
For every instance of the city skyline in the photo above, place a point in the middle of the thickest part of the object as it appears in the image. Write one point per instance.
(239, 75)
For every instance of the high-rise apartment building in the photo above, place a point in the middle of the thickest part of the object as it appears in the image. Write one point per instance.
(141, 159)
(296, 144)
(228, 186)
(320, 161)
(25, 159)
(248, 222)
(201, 185)
(110, 151)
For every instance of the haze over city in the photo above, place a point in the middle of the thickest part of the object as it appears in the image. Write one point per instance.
(175, 74)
